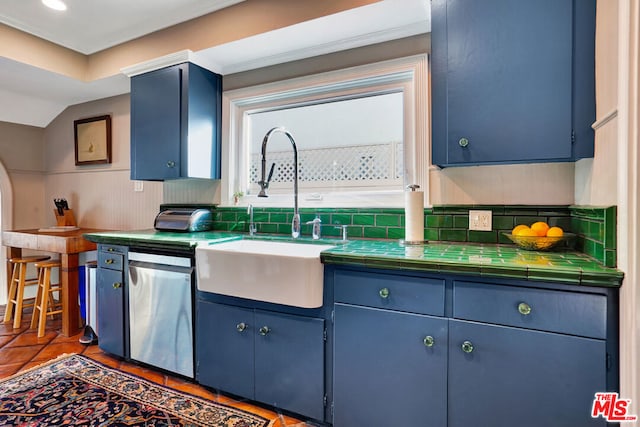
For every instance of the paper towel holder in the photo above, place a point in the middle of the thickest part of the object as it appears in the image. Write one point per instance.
(403, 242)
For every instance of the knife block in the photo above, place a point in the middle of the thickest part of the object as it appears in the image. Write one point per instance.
(66, 219)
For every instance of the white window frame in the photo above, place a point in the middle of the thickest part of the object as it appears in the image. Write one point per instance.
(407, 74)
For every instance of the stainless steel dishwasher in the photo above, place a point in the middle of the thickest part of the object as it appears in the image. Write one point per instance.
(160, 311)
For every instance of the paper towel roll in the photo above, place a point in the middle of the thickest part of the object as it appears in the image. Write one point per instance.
(414, 216)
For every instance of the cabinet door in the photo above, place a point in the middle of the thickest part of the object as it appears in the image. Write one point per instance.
(507, 376)
(156, 124)
(502, 80)
(386, 371)
(110, 301)
(289, 360)
(224, 347)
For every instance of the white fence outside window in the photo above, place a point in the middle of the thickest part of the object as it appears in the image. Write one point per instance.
(375, 165)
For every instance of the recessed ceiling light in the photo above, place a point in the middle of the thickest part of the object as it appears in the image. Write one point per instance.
(55, 4)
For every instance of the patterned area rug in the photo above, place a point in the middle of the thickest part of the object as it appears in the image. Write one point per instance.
(76, 391)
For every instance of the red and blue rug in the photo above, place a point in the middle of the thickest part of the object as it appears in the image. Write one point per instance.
(76, 391)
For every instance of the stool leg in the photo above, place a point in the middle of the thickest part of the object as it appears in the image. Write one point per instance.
(46, 282)
(12, 295)
(38, 302)
(20, 296)
(53, 303)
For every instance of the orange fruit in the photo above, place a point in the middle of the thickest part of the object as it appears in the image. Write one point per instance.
(555, 232)
(518, 228)
(540, 228)
(527, 232)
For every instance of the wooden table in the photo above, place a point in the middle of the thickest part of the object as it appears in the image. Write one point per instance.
(68, 244)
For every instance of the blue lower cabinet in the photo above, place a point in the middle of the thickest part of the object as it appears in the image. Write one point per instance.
(504, 353)
(270, 357)
(225, 348)
(110, 297)
(390, 368)
(289, 361)
(110, 286)
(502, 376)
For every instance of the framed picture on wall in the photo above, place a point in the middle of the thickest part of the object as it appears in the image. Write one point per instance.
(93, 140)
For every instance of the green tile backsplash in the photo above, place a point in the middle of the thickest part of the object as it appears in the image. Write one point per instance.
(595, 227)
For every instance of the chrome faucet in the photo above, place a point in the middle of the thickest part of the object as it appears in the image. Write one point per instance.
(264, 183)
(252, 225)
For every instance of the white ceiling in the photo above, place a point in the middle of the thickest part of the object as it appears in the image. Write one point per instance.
(33, 96)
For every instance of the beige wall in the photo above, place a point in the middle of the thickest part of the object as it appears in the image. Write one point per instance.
(22, 155)
(102, 196)
(526, 184)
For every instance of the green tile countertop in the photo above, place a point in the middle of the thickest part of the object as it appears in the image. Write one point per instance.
(167, 240)
(492, 260)
(154, 239)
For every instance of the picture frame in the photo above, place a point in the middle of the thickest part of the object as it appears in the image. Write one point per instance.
(92, 140)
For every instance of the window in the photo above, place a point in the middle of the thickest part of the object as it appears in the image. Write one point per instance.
(360, 135)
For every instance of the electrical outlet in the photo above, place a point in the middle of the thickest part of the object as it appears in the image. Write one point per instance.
(480, 220)
(138, 186)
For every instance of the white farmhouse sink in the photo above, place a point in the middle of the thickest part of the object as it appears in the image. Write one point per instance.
(286, 273)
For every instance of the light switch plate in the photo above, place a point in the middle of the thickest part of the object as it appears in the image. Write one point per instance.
(480, 220)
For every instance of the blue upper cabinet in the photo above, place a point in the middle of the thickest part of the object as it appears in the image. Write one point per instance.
(176, 123)
(512, 81)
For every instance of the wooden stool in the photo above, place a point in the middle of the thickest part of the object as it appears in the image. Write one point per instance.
(45, 303)
(19, 281)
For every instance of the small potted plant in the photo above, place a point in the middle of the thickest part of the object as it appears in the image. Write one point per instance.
(236, 197)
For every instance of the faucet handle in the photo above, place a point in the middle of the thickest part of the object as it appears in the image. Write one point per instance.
(317, 224)
(343, 227)
(314, 221)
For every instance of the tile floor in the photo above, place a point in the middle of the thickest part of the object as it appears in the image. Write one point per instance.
(21, 349)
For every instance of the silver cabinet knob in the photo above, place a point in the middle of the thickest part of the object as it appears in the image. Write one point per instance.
(467, 346)
(524, 308)
(264, 330)
(429, 341)
(384, 293)
(241, 326)
(171, 164)
(463, 142)
(117, 285)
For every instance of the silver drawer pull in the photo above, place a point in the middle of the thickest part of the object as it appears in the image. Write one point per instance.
(384, 293)
(241, 326)
(109, 261)
(117, 285)
(264, 330)
(524, 308)
(429, 341)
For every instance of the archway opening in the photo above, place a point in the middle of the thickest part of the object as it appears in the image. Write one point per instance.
(6, 222)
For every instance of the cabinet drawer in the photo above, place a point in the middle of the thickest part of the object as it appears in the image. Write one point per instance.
(111, 260)
(546, 310)
(113, 249)
(404, 293)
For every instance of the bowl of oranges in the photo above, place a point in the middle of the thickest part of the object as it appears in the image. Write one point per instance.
(539, 236)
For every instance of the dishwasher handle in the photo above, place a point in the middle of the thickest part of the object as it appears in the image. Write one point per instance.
(135, 266)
